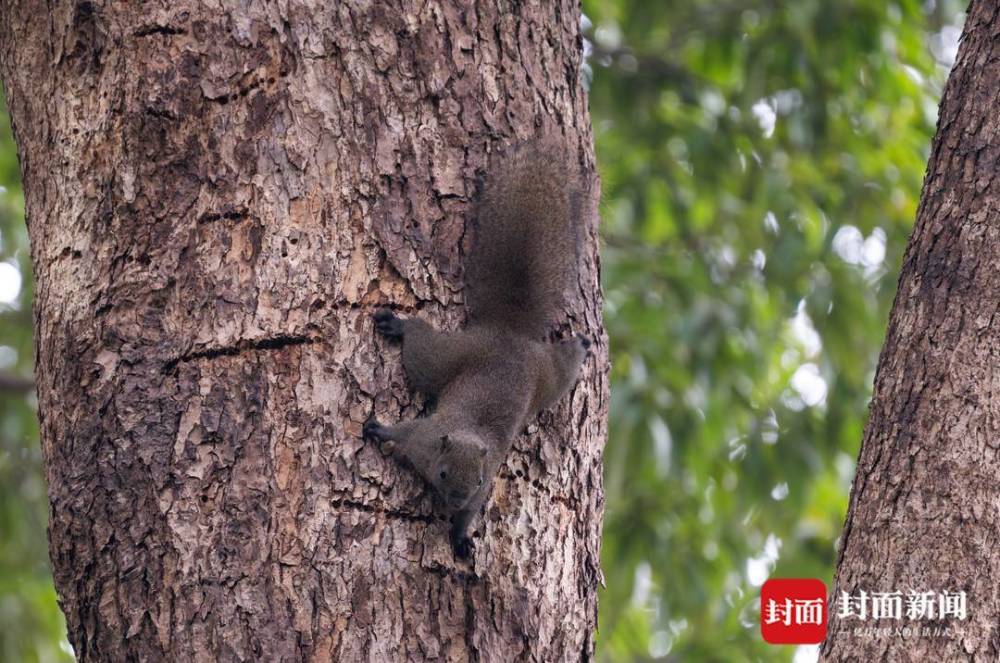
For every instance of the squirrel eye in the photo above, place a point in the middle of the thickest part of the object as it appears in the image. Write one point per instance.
(443, 474)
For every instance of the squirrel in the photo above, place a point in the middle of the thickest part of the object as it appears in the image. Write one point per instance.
(497, 373)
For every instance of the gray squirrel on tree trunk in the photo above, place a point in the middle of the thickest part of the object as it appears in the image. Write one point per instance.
(492, 377)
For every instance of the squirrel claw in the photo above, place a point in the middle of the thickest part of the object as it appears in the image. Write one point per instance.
(388, 323)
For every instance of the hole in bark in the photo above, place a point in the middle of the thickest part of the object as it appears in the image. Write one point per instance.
(230, 215)
(148, 30)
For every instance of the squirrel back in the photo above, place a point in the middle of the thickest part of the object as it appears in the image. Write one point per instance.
(526, 242)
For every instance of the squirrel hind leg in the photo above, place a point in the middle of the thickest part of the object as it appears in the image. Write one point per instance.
(388, 323)
(432, 358)
(569, 356)
(566, 359)
(373, 430)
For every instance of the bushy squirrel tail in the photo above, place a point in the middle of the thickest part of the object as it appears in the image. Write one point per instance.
(527, 237)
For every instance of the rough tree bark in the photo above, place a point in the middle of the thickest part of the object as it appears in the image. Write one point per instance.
(218, 197)
(924, 507)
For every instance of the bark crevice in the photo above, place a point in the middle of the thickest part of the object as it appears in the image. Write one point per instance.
(243, 345)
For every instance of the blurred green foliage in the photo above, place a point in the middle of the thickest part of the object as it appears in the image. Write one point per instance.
(761, 166)
(31, 626)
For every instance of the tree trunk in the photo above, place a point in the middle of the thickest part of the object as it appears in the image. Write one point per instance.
(218, 199)
(923, 513)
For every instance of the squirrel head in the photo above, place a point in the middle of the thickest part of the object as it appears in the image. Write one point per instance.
(460, 469)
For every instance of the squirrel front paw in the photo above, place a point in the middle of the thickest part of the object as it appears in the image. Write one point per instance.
(388, 323)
